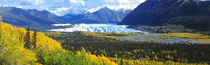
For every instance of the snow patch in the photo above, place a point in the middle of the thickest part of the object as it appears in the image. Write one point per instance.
(56, 25)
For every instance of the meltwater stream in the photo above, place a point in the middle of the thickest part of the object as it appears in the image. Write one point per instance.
(97, 28)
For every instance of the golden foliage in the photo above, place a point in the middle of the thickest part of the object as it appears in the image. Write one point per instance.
(12, 34)
(98, 60)
(19, 56)
(12, 49)
(186, 35)
(47, 43)
(12, 42)
(150, 62)
(95, 60)
(112, 35)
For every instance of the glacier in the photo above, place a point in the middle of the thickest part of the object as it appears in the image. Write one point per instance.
(111, 28)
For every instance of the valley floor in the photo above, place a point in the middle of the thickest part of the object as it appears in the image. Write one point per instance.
(137, 48)
(179, 38)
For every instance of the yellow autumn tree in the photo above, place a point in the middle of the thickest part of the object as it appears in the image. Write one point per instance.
(12, 51)
(93, 59)
(12, 40)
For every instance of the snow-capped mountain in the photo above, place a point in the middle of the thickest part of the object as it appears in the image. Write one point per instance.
(100, 15)
(25, 17)
(63, 7)
(98, 28)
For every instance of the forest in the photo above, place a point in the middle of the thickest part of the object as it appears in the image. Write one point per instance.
(107, 44)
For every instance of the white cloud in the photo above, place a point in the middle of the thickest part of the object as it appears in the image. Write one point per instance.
(77, 2)
(122, 4)
(109, 1)
(34, 2)
(37, 2)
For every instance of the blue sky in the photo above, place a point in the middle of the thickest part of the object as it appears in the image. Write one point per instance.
(61, 7)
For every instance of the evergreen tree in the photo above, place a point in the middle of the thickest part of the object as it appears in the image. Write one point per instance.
(121, 61)
(34, 37)
(1, 47)
(1, 19)
(28, 42)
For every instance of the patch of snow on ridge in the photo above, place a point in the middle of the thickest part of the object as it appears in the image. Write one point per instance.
(56, 25)
(99, 28)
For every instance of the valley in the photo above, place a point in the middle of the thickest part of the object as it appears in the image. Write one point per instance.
(105, 32)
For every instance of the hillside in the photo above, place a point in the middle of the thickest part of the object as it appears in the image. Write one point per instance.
(12, 41)
(48, 52)
(45, 15)
(190, 13)
(18, 35)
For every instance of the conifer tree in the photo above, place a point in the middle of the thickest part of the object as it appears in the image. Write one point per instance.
(28, 42)
(1, 19)
(34, 37)
(121, 61)
(1, 47)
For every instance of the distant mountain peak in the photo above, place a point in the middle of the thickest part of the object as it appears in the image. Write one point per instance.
(99, 15)
(97, 9)
(107, 8)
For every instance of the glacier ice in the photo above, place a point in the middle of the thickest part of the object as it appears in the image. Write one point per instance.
(98, 28)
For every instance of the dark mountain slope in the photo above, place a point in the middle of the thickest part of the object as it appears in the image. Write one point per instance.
(189, 13)
(45, 15)
(20, 17)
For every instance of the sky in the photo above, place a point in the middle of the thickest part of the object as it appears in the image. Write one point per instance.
(62, 7)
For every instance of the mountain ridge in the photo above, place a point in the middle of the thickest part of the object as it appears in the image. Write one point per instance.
(28, 17)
